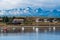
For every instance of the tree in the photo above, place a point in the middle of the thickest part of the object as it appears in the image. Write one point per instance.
(5, 19)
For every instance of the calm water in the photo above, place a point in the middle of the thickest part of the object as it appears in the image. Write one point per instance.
(30, 36)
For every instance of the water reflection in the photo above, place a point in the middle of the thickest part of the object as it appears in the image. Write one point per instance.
(31, 36)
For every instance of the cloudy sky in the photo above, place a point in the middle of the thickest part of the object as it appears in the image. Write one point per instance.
(6, 4)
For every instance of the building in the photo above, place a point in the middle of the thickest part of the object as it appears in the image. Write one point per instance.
(18, 21)
(1, 19)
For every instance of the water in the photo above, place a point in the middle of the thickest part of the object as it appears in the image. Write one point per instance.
(30, 36)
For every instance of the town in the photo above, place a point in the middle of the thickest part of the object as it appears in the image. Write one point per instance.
(28, 23)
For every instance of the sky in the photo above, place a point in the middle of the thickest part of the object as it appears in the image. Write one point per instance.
(6, 4)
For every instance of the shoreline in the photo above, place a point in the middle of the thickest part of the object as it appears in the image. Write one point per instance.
(17, 29)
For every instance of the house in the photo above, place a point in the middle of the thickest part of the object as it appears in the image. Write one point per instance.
(18, 21)
(1, 19)
(45, 20)
(39, 20)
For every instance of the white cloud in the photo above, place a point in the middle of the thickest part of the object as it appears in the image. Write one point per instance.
(9, 3)
(14, 3)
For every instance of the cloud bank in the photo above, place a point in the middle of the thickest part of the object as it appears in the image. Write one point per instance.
(5, 4)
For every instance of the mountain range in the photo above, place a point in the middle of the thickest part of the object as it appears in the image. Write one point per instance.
(30, 12)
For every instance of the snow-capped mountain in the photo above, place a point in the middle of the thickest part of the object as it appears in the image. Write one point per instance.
(30, 11)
